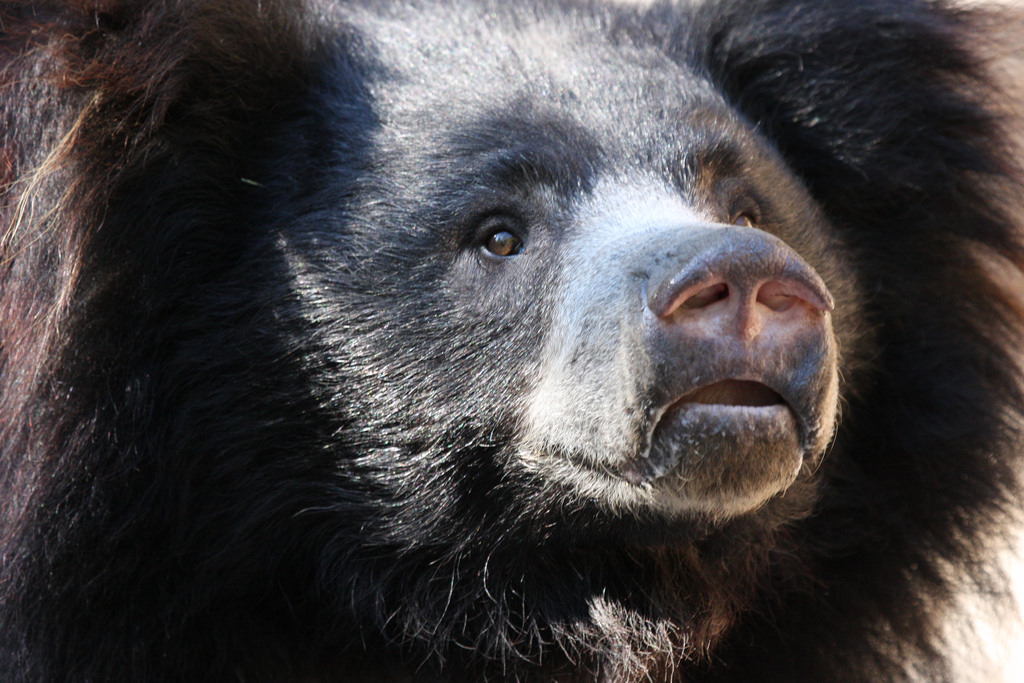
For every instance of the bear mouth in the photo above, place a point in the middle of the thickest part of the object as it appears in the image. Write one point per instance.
(733, 393)
(731, 444)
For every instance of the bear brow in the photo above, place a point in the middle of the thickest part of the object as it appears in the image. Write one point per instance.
(524, 152)
(719, 157)
(530, 166)
(709, 159)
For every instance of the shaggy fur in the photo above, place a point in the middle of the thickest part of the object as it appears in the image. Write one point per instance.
(261, 418)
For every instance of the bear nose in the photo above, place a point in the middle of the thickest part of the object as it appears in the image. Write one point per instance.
(740, 282)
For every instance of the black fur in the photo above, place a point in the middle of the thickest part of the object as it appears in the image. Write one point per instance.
(259, 417)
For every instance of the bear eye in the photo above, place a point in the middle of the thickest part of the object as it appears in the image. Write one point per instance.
(504, 243)
(746, 220)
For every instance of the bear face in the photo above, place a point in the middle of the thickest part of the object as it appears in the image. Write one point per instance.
(490, 340)
(573, 347)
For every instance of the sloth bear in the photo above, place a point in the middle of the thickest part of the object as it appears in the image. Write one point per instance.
(547, 340)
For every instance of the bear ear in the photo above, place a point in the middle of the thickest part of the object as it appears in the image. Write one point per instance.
(882, 107)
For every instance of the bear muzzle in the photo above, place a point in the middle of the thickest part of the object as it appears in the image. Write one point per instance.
(744, 388)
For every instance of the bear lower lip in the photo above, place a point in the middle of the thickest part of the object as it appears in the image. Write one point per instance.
(727, 455)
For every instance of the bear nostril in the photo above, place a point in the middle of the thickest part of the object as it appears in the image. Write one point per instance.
(706, 296)
(781, 295)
